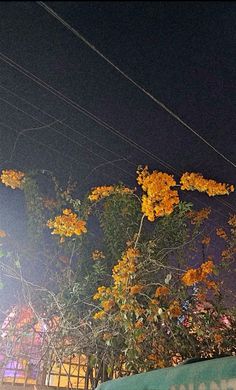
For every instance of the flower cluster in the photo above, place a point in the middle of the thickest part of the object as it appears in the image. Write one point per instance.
(206, 240)
(195, 181)
(122, 274)
(99, 193)
(232, 221)
(162, 291)
(160, 199)
(97, 255)
(12, 178)
(192, 276)
(67, 224)
(197, 217)
(220, 232)
(125, 267)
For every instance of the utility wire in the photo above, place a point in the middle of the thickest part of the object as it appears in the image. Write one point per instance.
(62, 154)
(100, 165)
(63, 135)
(63, 97)
(157, 101)
(41, 144)
(79, 108)
(22, 132)
(67, 126)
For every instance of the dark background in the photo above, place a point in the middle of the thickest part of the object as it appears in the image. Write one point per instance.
(182, 52)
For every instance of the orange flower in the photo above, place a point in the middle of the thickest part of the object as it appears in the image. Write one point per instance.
(221, 233)
(160, 199)
(162, 291)
(108, 304)
(175, 310)
(191, 277)
(207, 268)
(11, 178)
(138, 324)
(99, 193)
(195, 181)
(99, 315)
(67, 224)
(212, 285)
(218, 338)
(206, 240)
(136, 289)
(198, 217)
(232, 221)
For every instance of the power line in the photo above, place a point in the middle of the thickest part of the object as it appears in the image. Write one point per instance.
(79, 108)
(66, 125)
(41, 144)
(62, 154)
(21, 132)
(63, 135)
(100, 165)
(161, 104)
(62, 122)
(73, 104)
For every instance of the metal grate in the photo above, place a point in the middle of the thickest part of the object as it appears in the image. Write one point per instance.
(26, 359)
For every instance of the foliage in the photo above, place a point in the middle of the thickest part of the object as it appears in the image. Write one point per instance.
(135, 291)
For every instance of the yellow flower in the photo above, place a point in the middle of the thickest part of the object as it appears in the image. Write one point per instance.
(97, 255)
(99, 315)
(99, 193)
(192, 276)
(160, 199)
(67, 224)
(11, 178)
(108, 304)
(195, 181)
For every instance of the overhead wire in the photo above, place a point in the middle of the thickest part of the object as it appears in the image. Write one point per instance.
(41, 144)
(66, 125)
(107, 161)
(47, 125)
(84, 111)
(64, 135)
(140, 87)
(52, 149)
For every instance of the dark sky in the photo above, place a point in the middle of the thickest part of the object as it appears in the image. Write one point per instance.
(182, 52)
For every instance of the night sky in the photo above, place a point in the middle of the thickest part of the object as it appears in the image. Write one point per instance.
(183, 53)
